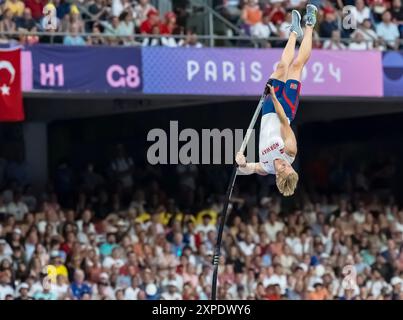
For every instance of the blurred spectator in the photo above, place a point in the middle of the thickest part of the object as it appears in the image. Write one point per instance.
(328, 25)
(153, 20)
(367, 32)
(361, 12)
(36, 7)
(118, 6)
(7, 24)
(276, 12)
(98, 11)
(397, 14)
(230, 9)
(378, 7)
(169, 25)
(358, 43)
(141, 12)
(334, 43)
(79, 288)
(122, 166)
(16, 7)
(388, 31)
(74, 39)
(126, 27)
(26, 21)
(251, 14)
(262, 30)
(73, 17)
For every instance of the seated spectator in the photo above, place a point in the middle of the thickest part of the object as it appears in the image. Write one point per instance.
(319, 292)
(98, 11)
(111, 29)
(334, 42)
(262, 30)
(73, 39)
(25, 22)
(378, 7)
(45, 293)
(368, 34)
(126, 27)
(50, 22)
(79, 288)
(16, 7)
(328, 25)
(230, 9)
(62, 8)
(388, 31)
(141, 12)
(276, 12)
(74, 17)
(153, 20)
(191, 41)
(361, 12)
(153, 41)
(17, 208)
(118, 6)
(169, 25)
(397, 15)
(172, 292)
(358, 42)
(251, 14)
(284, 27)
(7, 24)
(36, 7)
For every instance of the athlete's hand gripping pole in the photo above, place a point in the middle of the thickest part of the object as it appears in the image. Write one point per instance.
(223, 214)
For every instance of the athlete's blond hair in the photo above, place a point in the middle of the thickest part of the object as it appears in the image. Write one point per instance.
(287, 184)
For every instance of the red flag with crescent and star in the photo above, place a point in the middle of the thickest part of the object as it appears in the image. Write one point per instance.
(11, 106)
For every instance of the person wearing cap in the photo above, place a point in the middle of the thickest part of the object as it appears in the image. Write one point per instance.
(152, 21)
(397, 287)
(169, 24)
(22, 292)
(172, 292)
(103, 290)
(141, 10)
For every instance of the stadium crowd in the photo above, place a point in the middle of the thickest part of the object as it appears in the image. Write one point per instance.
(121, 233)
(379, 23)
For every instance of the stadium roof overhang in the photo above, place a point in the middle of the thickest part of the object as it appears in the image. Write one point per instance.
(63, 106)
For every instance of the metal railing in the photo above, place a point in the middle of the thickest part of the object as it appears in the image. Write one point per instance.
(137, 39)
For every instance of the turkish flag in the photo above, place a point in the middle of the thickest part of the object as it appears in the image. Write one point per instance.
(11, 107)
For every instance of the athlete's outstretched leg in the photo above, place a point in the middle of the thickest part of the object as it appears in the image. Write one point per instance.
(305, 49)
(289, 50)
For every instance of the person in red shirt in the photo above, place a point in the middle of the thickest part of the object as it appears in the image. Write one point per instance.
(170, 23)
(153, 20)
(275, 12)
(36, 7)
(273, 292)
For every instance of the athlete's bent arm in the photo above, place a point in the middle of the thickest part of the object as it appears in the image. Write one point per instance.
(248, 168)
(290, 143)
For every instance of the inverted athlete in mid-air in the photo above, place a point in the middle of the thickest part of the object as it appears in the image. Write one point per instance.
(277, 143)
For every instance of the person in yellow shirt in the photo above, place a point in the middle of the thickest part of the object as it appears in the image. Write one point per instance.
(16, 7)
(57, 262)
